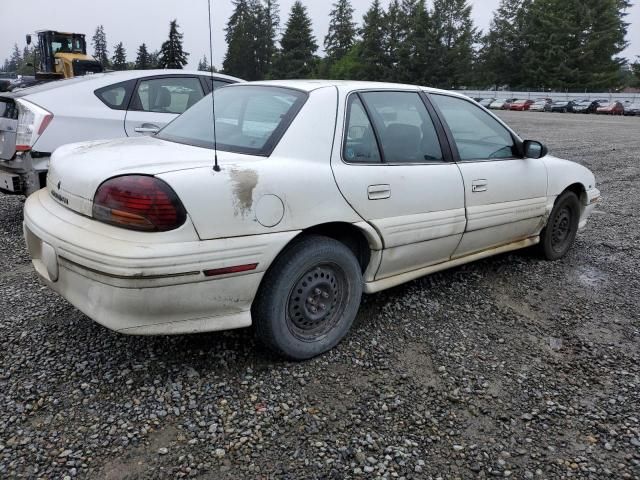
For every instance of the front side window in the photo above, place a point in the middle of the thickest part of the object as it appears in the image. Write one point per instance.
(167, 95)
(249, 119)
(478, 136)
(405, 128)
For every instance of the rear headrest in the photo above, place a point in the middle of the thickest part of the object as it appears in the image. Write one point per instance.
(402, 142)
(163, 99)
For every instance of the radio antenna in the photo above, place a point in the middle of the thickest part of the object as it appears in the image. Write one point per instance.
(216, 167)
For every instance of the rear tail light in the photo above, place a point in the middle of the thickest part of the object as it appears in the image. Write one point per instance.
(32, 122)
(138, 202)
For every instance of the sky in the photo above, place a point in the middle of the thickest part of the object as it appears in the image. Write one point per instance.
(136, 21)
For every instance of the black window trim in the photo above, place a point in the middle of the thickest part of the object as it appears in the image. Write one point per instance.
(448, 158)
(518, 143)
(273, 141)
(129, 86)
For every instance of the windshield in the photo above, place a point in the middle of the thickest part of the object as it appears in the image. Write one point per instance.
(65, 44)
(249, 119)
(521, 102)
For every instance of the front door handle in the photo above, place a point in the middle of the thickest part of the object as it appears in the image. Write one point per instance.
(379, 192)
(479, 186)
(148, 128)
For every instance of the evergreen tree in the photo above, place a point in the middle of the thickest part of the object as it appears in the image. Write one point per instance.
(372, 46)
(573, 44)
(298, 46)
(503, 47)
(143, 58)
(342, 31)
(267, 22)
(15, 60)
(119, 60)
(154, 59)
(456, 36)
(171, 53)
(393, 41)
(99, 42)
(241, 33)
(203, 65)
(418, 55)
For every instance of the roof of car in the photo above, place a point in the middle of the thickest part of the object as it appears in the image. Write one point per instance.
(310, 85)
(107, 78)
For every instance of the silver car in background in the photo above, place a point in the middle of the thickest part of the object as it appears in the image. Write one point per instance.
(37, 120)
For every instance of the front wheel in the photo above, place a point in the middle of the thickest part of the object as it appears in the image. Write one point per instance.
(309, 298)
(562, 227)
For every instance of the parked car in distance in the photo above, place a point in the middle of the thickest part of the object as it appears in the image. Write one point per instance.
(633, 109)
(508, 102)
(610, 108)
(146, 236)
(586, 106)
(562, 106)
(486, 102)
(541, 105)
(521, 105)
(35, 121)
(498, 104)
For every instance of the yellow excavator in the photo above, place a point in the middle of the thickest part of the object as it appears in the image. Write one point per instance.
(63, 55)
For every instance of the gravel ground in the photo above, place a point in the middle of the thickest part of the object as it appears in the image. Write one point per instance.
(510, 367)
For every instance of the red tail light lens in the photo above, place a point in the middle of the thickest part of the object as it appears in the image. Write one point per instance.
(138, 202)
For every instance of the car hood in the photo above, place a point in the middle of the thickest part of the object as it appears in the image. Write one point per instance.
(77, 170)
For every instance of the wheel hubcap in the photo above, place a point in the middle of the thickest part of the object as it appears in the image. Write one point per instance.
(561, 229)
(315, 302)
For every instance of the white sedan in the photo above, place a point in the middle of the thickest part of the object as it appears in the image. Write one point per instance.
(37, 120)
(324, 190)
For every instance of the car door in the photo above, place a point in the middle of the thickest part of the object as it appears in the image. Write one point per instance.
(505, 194)
(156, 101)
(392, 168)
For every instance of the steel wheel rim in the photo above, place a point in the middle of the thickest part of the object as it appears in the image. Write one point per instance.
(561, 229)
(316, 302)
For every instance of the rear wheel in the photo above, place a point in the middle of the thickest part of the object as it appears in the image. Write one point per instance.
(562, 227)
(309, 298)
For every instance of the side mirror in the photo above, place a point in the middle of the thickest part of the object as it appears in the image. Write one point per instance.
(534, 149)
(28, 39)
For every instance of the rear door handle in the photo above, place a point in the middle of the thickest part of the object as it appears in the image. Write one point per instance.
(147, 128)
(479, 186)
(379, 192)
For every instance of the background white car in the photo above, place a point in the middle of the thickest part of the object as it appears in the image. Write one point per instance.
(37, 120)
(325, 190)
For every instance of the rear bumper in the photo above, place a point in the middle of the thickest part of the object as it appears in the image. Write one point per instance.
(145, 287)
(24, 174)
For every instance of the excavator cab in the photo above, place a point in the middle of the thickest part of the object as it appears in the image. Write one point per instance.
(63, 55)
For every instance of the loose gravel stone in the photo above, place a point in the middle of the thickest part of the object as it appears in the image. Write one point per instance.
(509, 367)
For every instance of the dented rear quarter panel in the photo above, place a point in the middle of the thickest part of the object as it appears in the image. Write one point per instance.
(224, 204)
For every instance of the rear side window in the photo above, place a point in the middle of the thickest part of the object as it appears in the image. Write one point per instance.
(116, 96)
(249, 119)
(167, 95)
(406, 131)
(360, 145)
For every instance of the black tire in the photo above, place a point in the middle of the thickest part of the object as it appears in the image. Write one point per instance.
(562, 227)
(309, 298)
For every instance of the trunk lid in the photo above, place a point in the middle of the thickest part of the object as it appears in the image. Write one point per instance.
(8, 127)
(77, 170)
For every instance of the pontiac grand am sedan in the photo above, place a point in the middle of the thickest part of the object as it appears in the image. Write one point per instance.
(324, 190)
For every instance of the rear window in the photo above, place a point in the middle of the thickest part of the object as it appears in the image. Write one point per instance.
(249, 119)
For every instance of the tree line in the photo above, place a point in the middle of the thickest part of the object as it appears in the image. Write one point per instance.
(535, 44)
(532, 44)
